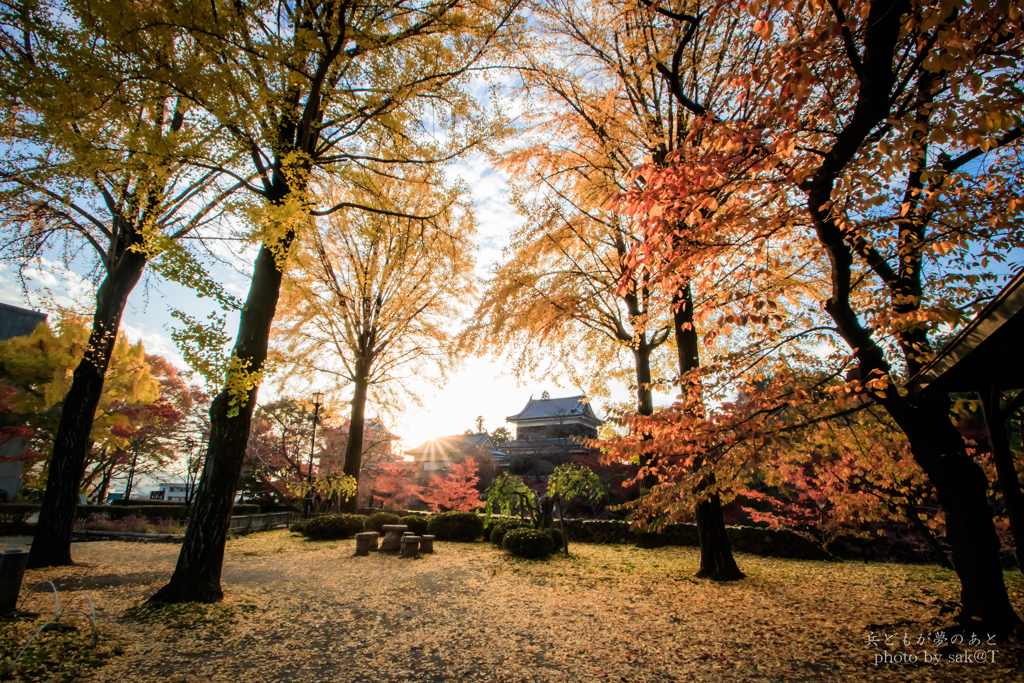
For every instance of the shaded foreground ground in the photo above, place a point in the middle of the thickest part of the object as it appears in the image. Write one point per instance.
(303, 611)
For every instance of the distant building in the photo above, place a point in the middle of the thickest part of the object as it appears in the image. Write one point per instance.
(549, 432)
(174, 490)
(14, 322)
(440, 453)
(18, 322)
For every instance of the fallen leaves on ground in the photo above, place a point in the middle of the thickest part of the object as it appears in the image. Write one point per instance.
(306, 611)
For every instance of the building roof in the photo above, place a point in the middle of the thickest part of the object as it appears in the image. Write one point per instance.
(374, 424)
(440, 447)
(569, 408)
(986, 353)
(18, 322)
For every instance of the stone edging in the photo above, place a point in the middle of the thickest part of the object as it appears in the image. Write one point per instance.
(78, 535)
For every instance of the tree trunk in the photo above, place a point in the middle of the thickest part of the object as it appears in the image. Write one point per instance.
(644, 398)
(196, 576)
(1005, 468)
(51, 546)
(961, 486)
(716, 560)
(354, 448)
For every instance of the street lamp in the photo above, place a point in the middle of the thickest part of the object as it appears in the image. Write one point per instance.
(318, 398)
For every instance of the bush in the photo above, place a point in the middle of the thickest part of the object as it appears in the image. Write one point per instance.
(332, 527)
(379, 519)
(556, 537)
(502, 527)
(138, 525)
(417, 524)
(246, 509)
(528, 543)
(297, 524)
(464, 527)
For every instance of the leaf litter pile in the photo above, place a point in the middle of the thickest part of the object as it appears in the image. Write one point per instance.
(298, 610)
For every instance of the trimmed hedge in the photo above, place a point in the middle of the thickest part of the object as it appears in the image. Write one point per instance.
(174, 511)
(502, 527)
(379, 519)
(528, 543)
(333, 527)
(464, 527)
(417, 525)
(556, 536)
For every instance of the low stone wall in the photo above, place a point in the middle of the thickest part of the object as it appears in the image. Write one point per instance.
(744, 539)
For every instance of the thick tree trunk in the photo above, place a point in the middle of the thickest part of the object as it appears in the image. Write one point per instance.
(52, 543)
(1005, 468)
(716, 560)
(196, 576)
(354, 449)
(961, 486)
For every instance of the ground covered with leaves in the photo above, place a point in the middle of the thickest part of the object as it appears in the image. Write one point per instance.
(299, 610)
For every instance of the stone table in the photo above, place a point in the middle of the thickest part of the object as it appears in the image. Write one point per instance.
(392, 537)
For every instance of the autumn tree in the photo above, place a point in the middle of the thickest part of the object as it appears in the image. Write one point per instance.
(42, 366)
(577, 253)
(299, 89)
(456, 490)
(894, 125)
(92, 169)
(393, 484)
(371, 295)
(564, 280)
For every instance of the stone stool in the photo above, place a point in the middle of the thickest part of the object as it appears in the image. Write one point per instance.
(392, 542)
(410, 545)
(365, 542)
(426, 544)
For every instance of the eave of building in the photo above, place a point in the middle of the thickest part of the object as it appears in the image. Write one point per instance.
(985, 354)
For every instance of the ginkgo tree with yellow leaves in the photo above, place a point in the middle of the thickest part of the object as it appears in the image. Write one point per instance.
(299, 91)
(371, 298)
(41, 366)
(93, 176)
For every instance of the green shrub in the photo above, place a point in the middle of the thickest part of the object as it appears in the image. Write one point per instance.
(556, 537)
(464, 527)
(417, 524)
(528, 543)
(379, 519)
(332, 527)
(298, 524)
(245, 509)
(502, 527)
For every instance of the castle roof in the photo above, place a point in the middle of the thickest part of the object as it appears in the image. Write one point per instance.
(567, 409)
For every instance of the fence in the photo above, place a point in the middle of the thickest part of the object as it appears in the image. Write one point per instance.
(246, 523)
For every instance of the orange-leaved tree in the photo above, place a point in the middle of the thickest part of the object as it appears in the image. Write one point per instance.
(454, 491)
(889, 134)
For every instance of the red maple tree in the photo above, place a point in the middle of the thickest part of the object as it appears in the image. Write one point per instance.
(456, 491)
